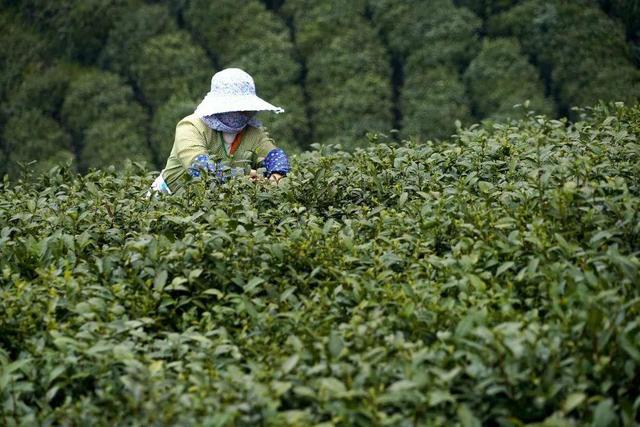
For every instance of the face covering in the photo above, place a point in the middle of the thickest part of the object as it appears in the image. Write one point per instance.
(231, 122)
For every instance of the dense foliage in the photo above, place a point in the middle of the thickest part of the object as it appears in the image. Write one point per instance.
(433, 44)
(486, 280)
(500, 77)
(108, 122)
(348, 80)
(570, 41)
(340, 69)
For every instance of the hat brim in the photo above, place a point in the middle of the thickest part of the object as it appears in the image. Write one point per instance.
(214, 104)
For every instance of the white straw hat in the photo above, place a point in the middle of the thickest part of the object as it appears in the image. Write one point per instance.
(233, 90)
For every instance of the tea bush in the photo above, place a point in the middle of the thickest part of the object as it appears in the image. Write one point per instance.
(500, 77)
(490, 279)
(128, 36)
(569, 41)
(33, 135)
(169, 64)
(100, 108)
(348, 80)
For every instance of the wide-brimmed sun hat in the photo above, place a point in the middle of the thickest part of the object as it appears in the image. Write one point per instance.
(233, 90)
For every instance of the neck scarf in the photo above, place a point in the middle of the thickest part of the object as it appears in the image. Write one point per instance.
(231, 122)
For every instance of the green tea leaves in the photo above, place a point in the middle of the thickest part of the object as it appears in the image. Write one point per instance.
(489, 279)
(160, 280)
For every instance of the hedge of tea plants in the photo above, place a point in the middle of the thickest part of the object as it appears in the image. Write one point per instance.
(491, 279)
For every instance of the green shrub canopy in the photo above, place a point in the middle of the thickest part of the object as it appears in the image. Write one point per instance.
(431, 101)
(109, 125)
(490, 278)
(97, 96)
(44, 87)
(128, 36)
(109, 143)
(500, 77)
(570, 40)
(26, 47)
(33, 136)
(164, 123)
(172, 63)
(348, 82)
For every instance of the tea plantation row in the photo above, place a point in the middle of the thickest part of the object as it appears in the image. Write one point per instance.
(488, 280)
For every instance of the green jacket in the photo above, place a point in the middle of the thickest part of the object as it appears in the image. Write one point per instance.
(194, 137)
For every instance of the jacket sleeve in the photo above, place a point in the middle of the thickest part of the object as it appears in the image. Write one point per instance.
(265, 145)
(273, 158)
(189, 143)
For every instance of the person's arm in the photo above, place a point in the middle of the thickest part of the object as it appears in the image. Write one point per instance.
(275, 160)
(191, 149)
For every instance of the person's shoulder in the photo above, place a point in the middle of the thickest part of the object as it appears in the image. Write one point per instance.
(192, 119)
(191, 123)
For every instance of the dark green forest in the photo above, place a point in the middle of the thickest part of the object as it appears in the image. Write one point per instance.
(101, 81)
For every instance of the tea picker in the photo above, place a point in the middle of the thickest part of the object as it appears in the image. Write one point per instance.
(223, 137)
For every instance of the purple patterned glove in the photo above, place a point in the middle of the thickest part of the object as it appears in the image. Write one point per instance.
(276, 162)
(202, 163)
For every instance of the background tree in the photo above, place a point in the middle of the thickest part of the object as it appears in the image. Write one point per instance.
(3, 162)
(30, 136)
(629, 12)
(314, 21)
(431, 101)
(582, 53)
(486, 8)
(112, 142)
(21, 48)
(500, 77)
(444, 32)
(34, 131)
(171, 63)
(108, 124)
(340, 69)
(130, 33)
(434, 41)
(348, 79)
(75, 28)
(44, 87)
